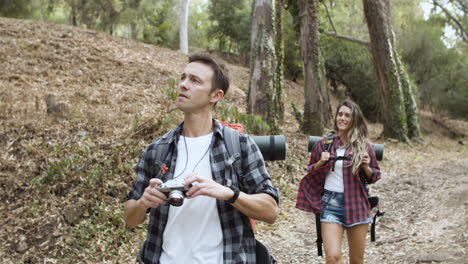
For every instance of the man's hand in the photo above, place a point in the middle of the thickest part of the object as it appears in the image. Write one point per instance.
(152, 198)
(207, 187)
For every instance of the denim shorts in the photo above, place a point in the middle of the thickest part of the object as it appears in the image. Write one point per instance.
(334, 211)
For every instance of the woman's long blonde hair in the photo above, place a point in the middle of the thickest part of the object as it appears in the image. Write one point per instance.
(357, 132)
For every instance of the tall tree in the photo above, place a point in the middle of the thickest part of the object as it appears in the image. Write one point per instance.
(230, 29)
(279, 52)
(313, 117)
(183, 27)
(261, 96)
(385, 57)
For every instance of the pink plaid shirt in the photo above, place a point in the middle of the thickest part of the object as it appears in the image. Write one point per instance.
(311, 188)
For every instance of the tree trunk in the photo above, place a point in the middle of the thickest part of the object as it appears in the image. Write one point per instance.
(261, 96)
(411, 107)
(409, 97)
(279, 52)
(313, 122)
(377, 15)
(133, 30)
(183, 35)
(73, 15)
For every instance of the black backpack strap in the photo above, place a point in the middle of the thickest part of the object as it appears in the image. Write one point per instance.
(319, 241)
(329, 139)
(374, 220)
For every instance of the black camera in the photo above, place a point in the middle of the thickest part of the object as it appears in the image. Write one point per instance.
(175, 191)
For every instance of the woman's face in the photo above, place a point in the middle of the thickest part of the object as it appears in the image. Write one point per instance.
(343, 118)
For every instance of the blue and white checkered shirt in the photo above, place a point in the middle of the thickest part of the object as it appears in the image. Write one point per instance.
(238, 237)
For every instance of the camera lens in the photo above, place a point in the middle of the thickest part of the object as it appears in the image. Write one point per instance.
(176, 198)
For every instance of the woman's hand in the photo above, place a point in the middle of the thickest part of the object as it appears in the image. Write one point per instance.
(324, 157)
(365, 160)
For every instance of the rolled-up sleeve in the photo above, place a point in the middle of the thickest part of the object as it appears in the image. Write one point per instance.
(256, 178)
(144, 173)
(315, 157)
(373, 165)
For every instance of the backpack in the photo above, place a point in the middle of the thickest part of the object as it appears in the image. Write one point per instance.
(232, 143)
(373, 200)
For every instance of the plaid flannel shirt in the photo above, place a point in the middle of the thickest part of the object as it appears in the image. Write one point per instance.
(238, 237)
(311, 187)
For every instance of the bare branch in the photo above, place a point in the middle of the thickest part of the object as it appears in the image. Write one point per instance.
(454, 21)
(339, 36)
(328, 15)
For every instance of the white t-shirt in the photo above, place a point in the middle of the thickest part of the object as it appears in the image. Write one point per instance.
(334, 179)
(193, 232)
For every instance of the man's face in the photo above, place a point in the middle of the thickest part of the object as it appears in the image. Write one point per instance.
(195, 87)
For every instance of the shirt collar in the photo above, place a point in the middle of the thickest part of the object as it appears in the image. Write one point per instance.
(217, 130)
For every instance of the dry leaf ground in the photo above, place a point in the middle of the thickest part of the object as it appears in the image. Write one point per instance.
(65, 171)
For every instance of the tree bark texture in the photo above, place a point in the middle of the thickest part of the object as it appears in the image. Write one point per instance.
(407, 87)
(313, 123)
(261, 96)
(183, 34)
(377, 15)
(279, 52)
(411, 107)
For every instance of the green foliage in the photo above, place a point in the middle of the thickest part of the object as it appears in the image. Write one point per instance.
(292, 55)
(15, 8)
(438, 71)
(157, 24)
(102, 221)
(230, 25)
(71, 160)
(253, 124)
(171, 90)
(199, 24)
(297, 114)
(349, 65)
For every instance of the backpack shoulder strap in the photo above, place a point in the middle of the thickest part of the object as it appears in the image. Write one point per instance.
(329, 141)
(232, 143)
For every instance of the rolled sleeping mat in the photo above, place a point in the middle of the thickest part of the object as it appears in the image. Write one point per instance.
(272, 147)
(378, 148)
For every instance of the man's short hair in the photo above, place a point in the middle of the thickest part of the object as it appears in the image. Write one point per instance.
(221, 73)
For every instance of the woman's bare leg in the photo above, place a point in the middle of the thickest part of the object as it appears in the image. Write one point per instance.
(332, 235)
(357, 243)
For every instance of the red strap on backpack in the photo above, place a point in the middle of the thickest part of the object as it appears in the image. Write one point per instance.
(237, 126)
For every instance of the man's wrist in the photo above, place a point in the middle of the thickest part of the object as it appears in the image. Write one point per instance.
(235, 195)
(141, 204)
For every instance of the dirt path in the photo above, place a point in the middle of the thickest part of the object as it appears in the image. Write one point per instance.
(424, 200)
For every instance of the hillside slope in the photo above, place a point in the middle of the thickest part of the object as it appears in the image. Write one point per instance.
(78, 107)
